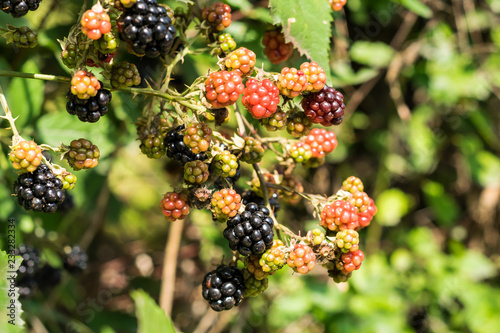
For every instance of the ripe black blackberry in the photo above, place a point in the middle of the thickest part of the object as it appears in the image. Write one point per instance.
(75, 260)
(147, 28)
(325, 107)
(89, 110)
(47, 277)
(31, 261)
(250, 232)
(177, 149)
(40, 191)
(250, 196)
(18, 8)
(223, 288)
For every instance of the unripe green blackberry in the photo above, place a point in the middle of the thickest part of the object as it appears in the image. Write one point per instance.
(298, 124)
(107, 43)
(253, 266)
(70, 54)
(24, 37)
(274, 258)
(253, 286)
(226, 43)
(276, 122)
(226, 164)
(68, 179)
(353, 185)
(300, 152)
(347, 240)
(225, 204)
(253, 151)
(198, 137)
(315, 236)
(124, 75)
(196, 172)
(82, 154)
(153, 146)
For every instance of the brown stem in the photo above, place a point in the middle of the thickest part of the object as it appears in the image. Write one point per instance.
(170, 266)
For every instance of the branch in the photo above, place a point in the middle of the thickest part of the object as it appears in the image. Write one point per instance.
(8, 116)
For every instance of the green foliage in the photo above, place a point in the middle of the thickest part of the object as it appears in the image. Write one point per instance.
(151, 317)
(8, 297)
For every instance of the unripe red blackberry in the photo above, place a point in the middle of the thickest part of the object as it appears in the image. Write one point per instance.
(218, 16)
(198, 137)
(252, 152)
(84, 85)
(18, 8)
(253, 286)
(250, 232)
(153, 146)
(223, 288)
(351, 261)
(261, 98)
(196, 172)
(82, 154)
(276, 48)
(95, 22)
(225, 164)
(24, 37)
(321, 141)
(292, 82)
(298, 124)
(289, 181)
(360, 200)
(366, 217)
(340, 215)
(301, 259)
(241, 61)
(174, 206)
(40, 191)
(225, 204)
(316, 77)
(300, 152)
(347, 240)
(325, 107)
(337, 5)
(223, 88)
(275, 122)
(352, 184)
(124, 75)
(273, 259)
(26, 156)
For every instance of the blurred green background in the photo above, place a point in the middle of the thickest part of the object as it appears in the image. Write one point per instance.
(422, 87)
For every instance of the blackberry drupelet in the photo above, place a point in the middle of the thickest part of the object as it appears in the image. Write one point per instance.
(40, 191)
(89, 110)
(178, 150)
(250, 232)
(147, 28)
(18, 8)
(251, 196)
(223, 287)
(75, 259)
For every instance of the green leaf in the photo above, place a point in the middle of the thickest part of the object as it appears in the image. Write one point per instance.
(307, 24)
(151, 317)
(373, 54)
(9, 297)
(392, 205)
(443, 206)
(25, 97)
(417, 7)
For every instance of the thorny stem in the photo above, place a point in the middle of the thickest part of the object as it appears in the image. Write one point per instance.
(8, 116)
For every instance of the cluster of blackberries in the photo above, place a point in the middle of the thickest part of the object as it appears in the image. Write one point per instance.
(224, 287)
(251, 196)
(33, 275)
(40, 191)
(147, 28)
(18, 8)
(250, 232)
(89, 110)
(178, 150)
